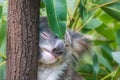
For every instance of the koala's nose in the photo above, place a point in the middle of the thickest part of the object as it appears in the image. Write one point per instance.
(59, 47)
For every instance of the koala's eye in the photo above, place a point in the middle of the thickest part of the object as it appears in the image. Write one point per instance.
(60, 53)
(45, 35)
(56, 37)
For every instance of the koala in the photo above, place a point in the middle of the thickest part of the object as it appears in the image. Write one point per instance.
(56, 55)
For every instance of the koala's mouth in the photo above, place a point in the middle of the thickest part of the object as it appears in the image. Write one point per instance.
(49, 58)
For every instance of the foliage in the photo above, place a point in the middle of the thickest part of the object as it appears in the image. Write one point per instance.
(101, 20)
(3, 24)
(58, 22)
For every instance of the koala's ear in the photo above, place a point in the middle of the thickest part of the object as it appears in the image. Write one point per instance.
(76, 41)
(67, 38)
(79, 42)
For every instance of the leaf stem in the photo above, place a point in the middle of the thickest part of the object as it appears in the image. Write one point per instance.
(3, 55)
(71, 22)
(87, 21)
(110, 74)
(102, 5)
(2, 63)
(83, 24)
(117, 74)
(76, 21)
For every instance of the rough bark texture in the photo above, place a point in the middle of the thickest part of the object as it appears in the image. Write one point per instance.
(22, 39)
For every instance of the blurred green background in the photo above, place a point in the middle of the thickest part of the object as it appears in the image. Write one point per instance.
(3, 26)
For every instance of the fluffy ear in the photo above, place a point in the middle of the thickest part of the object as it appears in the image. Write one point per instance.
(67, 38)
(80, 46)
(76, 44)
(76, 41)
(79, 43)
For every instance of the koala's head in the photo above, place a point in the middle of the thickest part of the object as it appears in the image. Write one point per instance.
(52, 49)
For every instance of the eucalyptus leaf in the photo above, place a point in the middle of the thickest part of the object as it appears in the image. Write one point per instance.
(107, 51)
(1, 10)
(71, 6)
(83, 11)
(94, 23)
(117, 74)
(86, 68)
(2, 1)
(106, 32)
(95, 65)
(41, 4)
(102, 42)
(100, 1)
(116, 56)
(105, 62)
(57, 15)
(2, 69)
(118, 37)
(106, 18)
(5, 8)
(113, 10)
(3, 25)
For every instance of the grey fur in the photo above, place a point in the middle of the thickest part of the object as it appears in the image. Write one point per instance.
(75, 44)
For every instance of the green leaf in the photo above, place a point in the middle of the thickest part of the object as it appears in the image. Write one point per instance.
(2, 69)
(86, 68)
(61, 14)
(106, 19)
(5, 8)
(103, 72)
(3, 55)
(94, 23)
(113, 10)
(83, 11)
(100, 1)
(117, 74)
(101, 42)
(57, 15)
(116, 56)
(42, 4)
(84, 30)
(71, 4)
(106, 32)
(106, 49)
(3, 25)
(1, 10)
(118, 37)
(95, 65)
(105, 62)
(2, 1)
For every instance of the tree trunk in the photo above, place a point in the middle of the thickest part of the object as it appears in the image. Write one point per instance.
(22, 39)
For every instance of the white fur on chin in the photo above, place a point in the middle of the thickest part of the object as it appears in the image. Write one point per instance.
(51, 73)
(47, 58)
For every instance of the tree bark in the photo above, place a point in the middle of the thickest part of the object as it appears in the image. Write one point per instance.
(22, 39)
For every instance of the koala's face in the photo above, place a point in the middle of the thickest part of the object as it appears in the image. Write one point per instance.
(52, 49)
